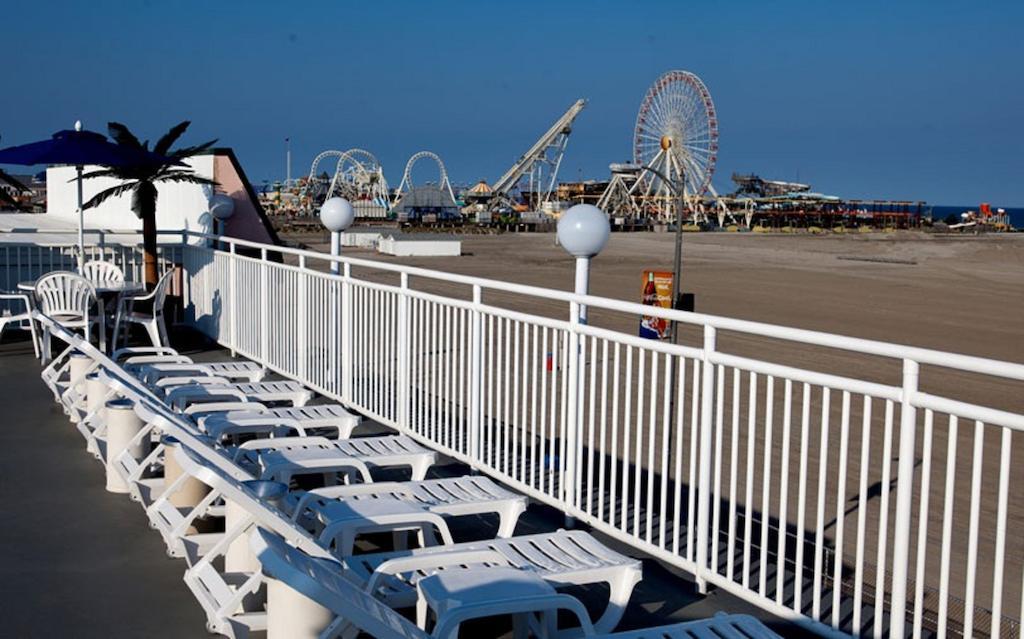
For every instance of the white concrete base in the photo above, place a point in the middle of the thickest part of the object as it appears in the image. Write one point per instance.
(291, 615)
(79, 364)
(122, 425)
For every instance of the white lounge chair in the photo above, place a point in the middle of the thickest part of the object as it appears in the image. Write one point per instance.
(326, 582)
(309, 417)
(563, 558)
(449, 496)
(284, 457)
(200, 389)
(142, 358)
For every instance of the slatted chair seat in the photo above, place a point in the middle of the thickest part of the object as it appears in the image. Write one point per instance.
(449, 496)
(309, 417)
(563, 558)
(390, 451)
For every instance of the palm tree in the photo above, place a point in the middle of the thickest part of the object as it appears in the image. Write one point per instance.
(141, 181)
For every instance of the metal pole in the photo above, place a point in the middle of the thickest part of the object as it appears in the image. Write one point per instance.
(335, 251)
(288, 161)
(575, 413)
(582, 283)
(677, 258)
(81, 222)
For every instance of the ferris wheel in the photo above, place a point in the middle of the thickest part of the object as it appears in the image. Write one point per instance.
(676, 134)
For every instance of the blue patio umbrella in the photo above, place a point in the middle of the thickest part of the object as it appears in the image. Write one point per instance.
(78, 148)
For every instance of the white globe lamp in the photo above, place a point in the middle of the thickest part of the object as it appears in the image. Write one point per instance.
(583, 232)
(222, 206)
(337, 215)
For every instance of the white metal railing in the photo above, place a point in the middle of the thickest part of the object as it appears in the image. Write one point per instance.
(22, 259)
(846, 504)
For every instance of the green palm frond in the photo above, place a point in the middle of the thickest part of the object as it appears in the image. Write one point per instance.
(106, 194)
(120, 134)
(189, 151)
(163, 145)
(99, 173)
(188, 178)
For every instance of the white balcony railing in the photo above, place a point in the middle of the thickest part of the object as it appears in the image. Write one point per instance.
(853, 486)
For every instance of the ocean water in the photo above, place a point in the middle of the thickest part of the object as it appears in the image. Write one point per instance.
(939, 213)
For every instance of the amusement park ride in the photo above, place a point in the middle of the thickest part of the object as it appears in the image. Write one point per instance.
(675, 139)
(359, 177)
(674, 150)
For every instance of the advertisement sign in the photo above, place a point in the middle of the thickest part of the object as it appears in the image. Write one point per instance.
(656, 291)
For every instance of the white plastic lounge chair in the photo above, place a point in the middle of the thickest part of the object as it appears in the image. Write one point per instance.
(288, 456)
(310, 417)
(449, 496)
(101, 272)
(325, 582)
(19, 318)
(498, 591)
(563, 558)
(153, 322)
(141, 358)
(201, 388)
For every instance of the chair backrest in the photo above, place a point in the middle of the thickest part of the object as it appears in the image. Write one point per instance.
(160, 292)
(99, 272)
(324, 581)
(64, 293)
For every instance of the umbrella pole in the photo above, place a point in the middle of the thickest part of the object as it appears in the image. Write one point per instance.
(81, 223)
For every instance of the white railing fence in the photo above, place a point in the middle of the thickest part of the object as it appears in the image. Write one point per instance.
(22, 260)
(845, 504)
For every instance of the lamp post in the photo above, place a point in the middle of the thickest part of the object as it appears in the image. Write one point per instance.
(677, 257)
(337, 215)
(582, 231)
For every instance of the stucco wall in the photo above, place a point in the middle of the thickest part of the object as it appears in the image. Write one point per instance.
(179, 206)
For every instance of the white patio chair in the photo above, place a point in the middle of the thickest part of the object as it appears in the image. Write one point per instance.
(100, 272)
(20, 318)
(154, 322)
(69, 299)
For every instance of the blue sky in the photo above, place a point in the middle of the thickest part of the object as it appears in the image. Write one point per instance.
(919, 100)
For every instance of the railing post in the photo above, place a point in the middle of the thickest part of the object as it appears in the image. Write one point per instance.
(264, 309)
(475, 375)
(572, 418)
(346, 336)
(233, 301)
(402, 392)
(302, 318)
(705, 445)
(904, 499)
